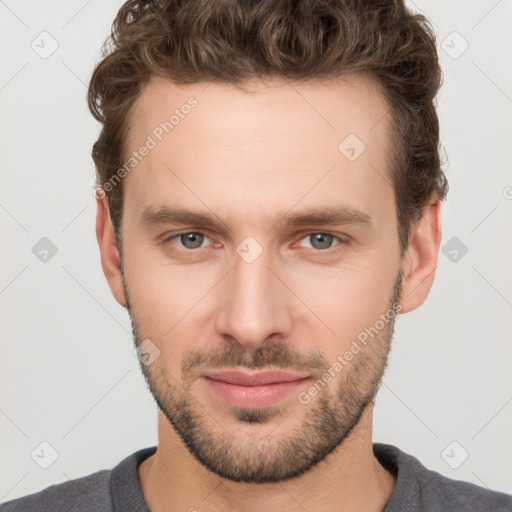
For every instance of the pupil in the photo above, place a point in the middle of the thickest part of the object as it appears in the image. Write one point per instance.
(323, 239)
(191, 240)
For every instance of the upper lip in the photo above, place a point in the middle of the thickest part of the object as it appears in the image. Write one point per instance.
(260, 378)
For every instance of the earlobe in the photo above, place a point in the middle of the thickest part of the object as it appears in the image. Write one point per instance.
(420, 259)
(108, 250)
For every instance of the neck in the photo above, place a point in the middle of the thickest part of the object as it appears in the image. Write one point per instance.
(350, 478)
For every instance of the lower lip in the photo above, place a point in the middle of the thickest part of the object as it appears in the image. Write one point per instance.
(254, 397)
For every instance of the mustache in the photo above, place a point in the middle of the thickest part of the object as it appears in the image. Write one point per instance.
(276, 355)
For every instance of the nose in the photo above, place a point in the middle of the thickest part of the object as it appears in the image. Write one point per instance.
(254, 304)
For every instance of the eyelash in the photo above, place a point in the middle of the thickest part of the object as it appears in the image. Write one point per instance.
(315, 251)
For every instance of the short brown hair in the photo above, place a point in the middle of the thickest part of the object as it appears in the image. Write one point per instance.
(227, 41)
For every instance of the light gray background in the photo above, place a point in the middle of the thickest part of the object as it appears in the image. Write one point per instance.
(68, 373)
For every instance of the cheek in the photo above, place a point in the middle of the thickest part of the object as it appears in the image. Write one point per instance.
(166, 298)
(348, 299)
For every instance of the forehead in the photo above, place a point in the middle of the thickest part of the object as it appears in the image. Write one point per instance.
(348, 103)
(268, 146)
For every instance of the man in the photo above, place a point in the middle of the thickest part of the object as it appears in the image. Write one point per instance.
(269, 197)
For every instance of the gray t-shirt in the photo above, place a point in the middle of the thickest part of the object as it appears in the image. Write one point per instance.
(118, 490)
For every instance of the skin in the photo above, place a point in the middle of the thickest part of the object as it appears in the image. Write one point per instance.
(251, 158)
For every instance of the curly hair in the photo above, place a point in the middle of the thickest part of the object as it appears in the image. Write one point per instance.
(230, 42)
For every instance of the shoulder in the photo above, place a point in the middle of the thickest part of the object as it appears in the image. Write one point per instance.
(460, 495)
(103, 491)
(90, 493)
(423, 489)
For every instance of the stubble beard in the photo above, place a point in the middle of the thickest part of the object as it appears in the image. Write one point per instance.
(327, 421)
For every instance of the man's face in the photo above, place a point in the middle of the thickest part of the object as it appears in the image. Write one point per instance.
(253, 290)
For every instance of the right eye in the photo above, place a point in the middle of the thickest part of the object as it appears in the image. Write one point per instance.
(189, 239)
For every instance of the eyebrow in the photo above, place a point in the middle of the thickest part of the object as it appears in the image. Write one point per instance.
(158, 216)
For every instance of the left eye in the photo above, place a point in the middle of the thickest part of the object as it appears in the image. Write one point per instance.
(321, 241)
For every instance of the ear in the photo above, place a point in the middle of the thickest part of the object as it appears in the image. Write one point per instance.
(420, 259)
(109, 250)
